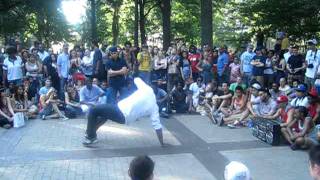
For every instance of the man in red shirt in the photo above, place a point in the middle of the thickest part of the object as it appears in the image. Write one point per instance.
(194, 59)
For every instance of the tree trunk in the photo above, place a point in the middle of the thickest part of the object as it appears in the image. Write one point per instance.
(206, 22)
(166, 23)
(142, 22)
(93, 20)
(136, 23)
(115, 25)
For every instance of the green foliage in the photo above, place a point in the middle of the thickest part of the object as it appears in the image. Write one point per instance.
(300, 18)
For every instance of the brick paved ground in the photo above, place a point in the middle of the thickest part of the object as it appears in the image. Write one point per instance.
(52, 149)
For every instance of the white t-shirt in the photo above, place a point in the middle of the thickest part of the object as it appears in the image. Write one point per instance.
(141, 103)
(304, 101)
(286, 56)
(255, 101)
(13, 68)
(43, 55)
(312, 57)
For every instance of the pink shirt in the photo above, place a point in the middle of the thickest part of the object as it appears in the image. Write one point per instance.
(235, 72)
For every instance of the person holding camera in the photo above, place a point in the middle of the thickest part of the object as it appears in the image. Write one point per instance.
(312, 61)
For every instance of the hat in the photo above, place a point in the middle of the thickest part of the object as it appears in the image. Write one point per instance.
(301, 87)
(282, 99)
(256, 86)
(312, 41)
(236, 171)
(113, 49)
(313, 92)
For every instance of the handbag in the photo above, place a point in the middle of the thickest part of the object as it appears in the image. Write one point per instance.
(18, 120)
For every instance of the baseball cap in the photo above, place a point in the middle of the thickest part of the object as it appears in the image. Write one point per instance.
(256, 86)
(282, 99)
(301, 87)
(236, 171)
(312, 41)
(113, 49)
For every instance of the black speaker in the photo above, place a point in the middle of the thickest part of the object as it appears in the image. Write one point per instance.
(266, 130)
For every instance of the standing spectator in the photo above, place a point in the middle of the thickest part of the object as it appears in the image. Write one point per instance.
(295, 66)
(287, 54)
(246, 67)
(258, 64)
(74, 62)
(33, 69)
(98, 68)
(25, 56)
(185, 67)
(117, 70)
(279, 66)
(51, 71)
(284, 43)
(87, 64)
(312, 61)
(235, 70)
(160, 64)
(268, 71)
(194, 59)
(42, 53)
(63, 66)
(205, 69)
(129, 56)
(173, 69)
(144, 60)
(13, 67)
(222, 63)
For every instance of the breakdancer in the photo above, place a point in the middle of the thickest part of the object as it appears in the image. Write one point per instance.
(140, 103)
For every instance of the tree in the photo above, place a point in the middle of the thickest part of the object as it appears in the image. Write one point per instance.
(93, 20)
(165, 7)
(299, 18)
(206, 22)
(136, 23)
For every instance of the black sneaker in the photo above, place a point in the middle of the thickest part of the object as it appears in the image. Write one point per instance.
(294, 147)
(88, 142)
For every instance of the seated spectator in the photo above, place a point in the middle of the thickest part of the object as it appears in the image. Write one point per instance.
(19, 102)
(72, 100)
(162, 99)
(50, 105)
(95, 81)
(237, 107)
(6, 111)
(267, 106)
(282, 112)
(314, 107)
(274, 91)
(89, 95)
(284, 88)
(237, 83)
(235, 70)
(141, 168)
(193, 96)
(51, 71)
(314, 162)
(222, 98)
(205, 98)
(301, 99)
(300, 131)
(179, 98)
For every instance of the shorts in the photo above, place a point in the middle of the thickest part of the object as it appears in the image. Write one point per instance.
(313, 135)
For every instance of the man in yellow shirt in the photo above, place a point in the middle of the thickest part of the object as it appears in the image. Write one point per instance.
(144, 60)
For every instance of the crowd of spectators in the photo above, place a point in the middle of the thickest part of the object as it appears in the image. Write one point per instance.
(230, 87)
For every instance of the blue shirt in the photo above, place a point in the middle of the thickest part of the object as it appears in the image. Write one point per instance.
(63, 64)
(44, 90)
(223, 60)
(246, 59)
(91, 96)
(259, 71)
(115, 65)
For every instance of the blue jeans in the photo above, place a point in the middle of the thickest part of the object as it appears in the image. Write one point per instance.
(145, 76)
(247, 78)
(113, 91)
(16, 82)
(63, 83)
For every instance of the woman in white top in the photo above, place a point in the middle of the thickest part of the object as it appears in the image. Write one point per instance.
(13, 67)
(160, 63)
(87, 63)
